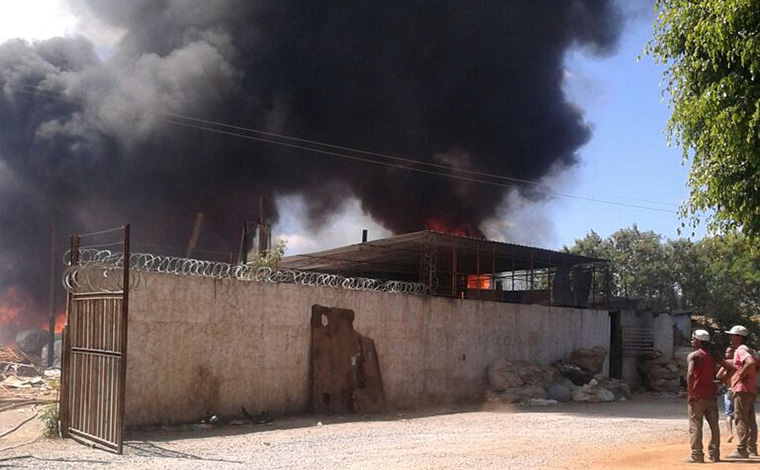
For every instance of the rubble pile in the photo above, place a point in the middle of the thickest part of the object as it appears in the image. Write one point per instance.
(23, 376)
(518, 381)
(32, 341)
(660, 373)
(578, 379)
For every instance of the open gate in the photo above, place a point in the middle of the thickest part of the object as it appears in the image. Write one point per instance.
(94, 351)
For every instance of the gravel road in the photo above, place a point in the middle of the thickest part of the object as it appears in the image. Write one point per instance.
(572, 436)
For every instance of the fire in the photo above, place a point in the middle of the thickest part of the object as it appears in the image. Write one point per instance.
(60, 322)
(478, 282)
(444, 226)
(13, 305)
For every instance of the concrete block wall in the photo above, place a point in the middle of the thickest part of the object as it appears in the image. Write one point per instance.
(199, 346)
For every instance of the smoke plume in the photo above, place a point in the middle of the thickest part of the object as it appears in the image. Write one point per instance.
(473, 85)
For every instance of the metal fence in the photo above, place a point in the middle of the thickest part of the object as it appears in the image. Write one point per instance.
(102, 270)
(94, 355)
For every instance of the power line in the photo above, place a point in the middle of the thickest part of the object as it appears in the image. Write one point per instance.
(196, 123)
(420, 170)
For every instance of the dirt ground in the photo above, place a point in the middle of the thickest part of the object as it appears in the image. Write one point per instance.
(648, 432)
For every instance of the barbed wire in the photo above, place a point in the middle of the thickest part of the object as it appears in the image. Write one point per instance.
(102, 271)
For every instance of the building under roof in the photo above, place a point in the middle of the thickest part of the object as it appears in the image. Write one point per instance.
(465, 267)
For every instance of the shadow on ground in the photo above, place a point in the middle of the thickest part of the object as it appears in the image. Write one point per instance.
(643, 406)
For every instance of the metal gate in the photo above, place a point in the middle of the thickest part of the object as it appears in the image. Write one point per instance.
(94, 355)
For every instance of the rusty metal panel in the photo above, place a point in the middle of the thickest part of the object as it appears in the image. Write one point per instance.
(94, 361)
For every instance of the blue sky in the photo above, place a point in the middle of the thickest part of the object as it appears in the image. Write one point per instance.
(627, 159)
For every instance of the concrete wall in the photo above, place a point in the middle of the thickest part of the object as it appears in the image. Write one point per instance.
(682, 321)
(199, 346)
(663, 333)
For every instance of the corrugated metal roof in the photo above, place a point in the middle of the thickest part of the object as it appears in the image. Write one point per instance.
(402, 254)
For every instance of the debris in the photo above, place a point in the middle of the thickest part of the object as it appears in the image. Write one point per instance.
(505, 375)
(589, 359)
(56, 353)
(32, 341)
(534, 384)
(22, 377)
(9, 355)
(574, 373)
(261, 418)
(319, 423)
(12, 381)
(588, 393)
(660, 373)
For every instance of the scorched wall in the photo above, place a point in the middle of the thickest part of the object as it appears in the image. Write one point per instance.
(200, 346)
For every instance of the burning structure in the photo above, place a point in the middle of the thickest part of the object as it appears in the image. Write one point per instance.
(468, 268)
(331, 340)
(190, 111)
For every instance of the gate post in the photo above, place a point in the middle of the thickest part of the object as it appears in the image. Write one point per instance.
(63, 397)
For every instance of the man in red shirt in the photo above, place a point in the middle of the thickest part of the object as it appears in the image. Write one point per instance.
(702, 402)
(744, 388)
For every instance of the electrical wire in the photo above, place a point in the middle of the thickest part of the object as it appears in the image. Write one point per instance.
(195, 123)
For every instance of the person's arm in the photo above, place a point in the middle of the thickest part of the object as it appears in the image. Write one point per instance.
(748, 361)
(722, 373)
(724, 364)
(692, 362)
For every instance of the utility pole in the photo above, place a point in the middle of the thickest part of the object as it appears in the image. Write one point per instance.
(51, 297)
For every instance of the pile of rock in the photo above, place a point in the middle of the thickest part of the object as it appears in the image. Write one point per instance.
(660, 373)
(577, 379)
(519, 381)
(601, 389)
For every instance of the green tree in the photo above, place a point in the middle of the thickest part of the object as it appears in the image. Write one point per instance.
(730, 289)
(711, 49)
(717, 277)
(639, 264)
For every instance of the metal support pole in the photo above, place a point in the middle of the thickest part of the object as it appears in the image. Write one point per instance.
(549, 281)
(477, 266)
(65, 400)
(124, 322)
(532, 268)
(51, 299)
(454, 272)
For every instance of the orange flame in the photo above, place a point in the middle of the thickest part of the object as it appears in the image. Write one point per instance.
(443, 226)
(60, 322)
(478, 282)
(13, 304)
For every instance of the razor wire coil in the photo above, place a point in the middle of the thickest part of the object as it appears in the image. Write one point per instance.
(101, 271)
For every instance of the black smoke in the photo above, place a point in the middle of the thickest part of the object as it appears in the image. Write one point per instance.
(476, 85)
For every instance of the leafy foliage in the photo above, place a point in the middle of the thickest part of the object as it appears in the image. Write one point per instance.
(712, 52)
(271, 258)
(718, 277)
(49, 416)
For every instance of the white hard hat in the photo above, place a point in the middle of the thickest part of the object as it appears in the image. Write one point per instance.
(738, 330)
(701, 335)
